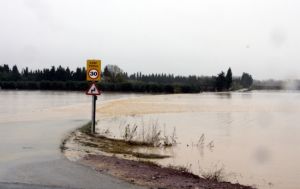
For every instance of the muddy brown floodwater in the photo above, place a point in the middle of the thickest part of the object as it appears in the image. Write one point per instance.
(252, 137)
(32, 126)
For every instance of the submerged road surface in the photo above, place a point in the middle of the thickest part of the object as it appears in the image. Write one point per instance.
(30, 135)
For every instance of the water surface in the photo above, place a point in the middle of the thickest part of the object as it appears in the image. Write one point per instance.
(253, 136)
(32, 126)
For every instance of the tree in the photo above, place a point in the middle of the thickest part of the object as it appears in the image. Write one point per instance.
(106, 74)
(6, 68)
(52, 73)
(221, 82)
(77, 76)
(15, 73)
(246, 80)
(113, 73)
(228, 79)
(25, 73)
(60, 74)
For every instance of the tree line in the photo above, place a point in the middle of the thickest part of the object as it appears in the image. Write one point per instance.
(115, 79)
(52, 74)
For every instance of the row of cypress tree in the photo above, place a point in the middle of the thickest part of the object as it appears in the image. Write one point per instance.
(114, 79)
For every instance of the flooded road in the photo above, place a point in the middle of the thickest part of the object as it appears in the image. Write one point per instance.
(252, 137)
(32, 125)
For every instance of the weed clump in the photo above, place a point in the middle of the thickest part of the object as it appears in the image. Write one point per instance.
(130, 132)
(215, 175)
(151, 137)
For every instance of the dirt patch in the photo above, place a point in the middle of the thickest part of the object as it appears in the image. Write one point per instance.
(152, 175)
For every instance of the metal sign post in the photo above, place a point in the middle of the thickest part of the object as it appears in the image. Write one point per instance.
(93, 73)
(93, 127)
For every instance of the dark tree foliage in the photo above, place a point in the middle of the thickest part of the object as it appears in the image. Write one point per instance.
(246, 80)
(221, 82)
(6, 74)
(228, 79)
(114, 79)
(15, 74)
(52, 74)
(112, 73)
(106, 74)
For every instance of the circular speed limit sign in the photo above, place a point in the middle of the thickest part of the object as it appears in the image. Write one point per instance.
(93, 74)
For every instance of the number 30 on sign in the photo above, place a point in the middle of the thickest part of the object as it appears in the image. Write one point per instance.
(93, 70)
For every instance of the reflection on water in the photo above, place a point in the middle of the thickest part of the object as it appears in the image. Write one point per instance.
(223, 95)
(254, 136)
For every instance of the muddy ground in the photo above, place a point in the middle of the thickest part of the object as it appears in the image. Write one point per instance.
(152, 175)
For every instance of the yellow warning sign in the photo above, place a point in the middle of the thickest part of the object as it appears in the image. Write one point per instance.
(93, 70)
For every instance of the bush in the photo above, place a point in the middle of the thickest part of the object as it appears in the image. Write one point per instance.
(8, 85)
(169, 89)
(45, 85)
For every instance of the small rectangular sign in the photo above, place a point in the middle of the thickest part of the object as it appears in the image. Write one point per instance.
(93, 70)
(93, 90)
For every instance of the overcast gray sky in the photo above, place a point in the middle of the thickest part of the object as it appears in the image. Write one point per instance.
(183, 37)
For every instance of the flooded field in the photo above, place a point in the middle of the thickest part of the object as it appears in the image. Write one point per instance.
(251, 137)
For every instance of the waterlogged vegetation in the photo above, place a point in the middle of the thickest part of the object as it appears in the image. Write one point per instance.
(130, 140)
(146, 172)
(125, 146)
(151, 137)
(115, 79)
